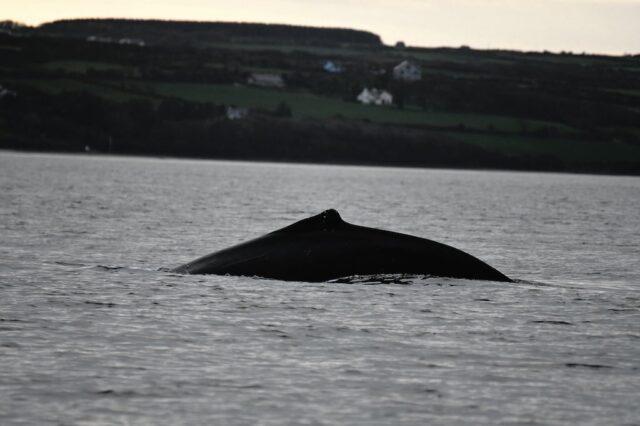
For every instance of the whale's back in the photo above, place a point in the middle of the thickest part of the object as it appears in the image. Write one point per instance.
(324, 247)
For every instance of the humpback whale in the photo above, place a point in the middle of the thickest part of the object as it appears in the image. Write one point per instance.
(325, 247)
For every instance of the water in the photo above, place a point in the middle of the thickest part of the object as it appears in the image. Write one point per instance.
(91, 332)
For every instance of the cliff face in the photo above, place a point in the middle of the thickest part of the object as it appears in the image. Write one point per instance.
(198, 33)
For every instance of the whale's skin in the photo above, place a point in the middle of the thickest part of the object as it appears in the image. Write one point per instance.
(324, 247)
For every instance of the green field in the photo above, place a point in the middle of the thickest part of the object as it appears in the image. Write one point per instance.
(625, 92)
(308, 105)
(564, 149)
(303, 104)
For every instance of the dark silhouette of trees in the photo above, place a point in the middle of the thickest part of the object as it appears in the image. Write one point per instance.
(197, 33)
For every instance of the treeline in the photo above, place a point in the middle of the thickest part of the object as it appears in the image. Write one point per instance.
(78, 121)
(199, 33)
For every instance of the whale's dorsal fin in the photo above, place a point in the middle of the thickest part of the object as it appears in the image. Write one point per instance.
(326, 221)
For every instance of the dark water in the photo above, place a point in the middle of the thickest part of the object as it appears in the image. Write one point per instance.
(92, 333)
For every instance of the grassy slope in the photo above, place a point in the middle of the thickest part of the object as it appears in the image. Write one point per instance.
(563, 149)
(625, 92)
(314, 106)
(307, 105)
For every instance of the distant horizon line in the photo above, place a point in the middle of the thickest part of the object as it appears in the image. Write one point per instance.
(461, 46)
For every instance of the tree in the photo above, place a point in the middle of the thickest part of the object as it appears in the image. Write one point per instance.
(283, 110)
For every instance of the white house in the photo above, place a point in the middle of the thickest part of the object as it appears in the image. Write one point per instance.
(236, 113)
(375, 97)
(407, 71)
(7, 93)
(133, 41)
(333, 67)
(384, 98)
(266, 80)
(99, 39)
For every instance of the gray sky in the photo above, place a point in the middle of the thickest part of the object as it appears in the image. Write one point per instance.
(600, 26)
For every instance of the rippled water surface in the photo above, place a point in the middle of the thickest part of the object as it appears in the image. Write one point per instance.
(92, 332)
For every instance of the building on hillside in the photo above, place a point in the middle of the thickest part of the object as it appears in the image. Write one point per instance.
(375, 97)
(132, 41)
(266, 80)
(333, 67)
(407, 71)
(5, 93)
(99, 39)
(236, 113)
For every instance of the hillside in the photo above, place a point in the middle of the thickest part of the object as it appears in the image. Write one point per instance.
(471, 108)
(202, 34)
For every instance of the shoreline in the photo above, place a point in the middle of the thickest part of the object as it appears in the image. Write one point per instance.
(308, 163)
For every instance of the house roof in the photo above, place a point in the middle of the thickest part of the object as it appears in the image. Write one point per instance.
(406, 64)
